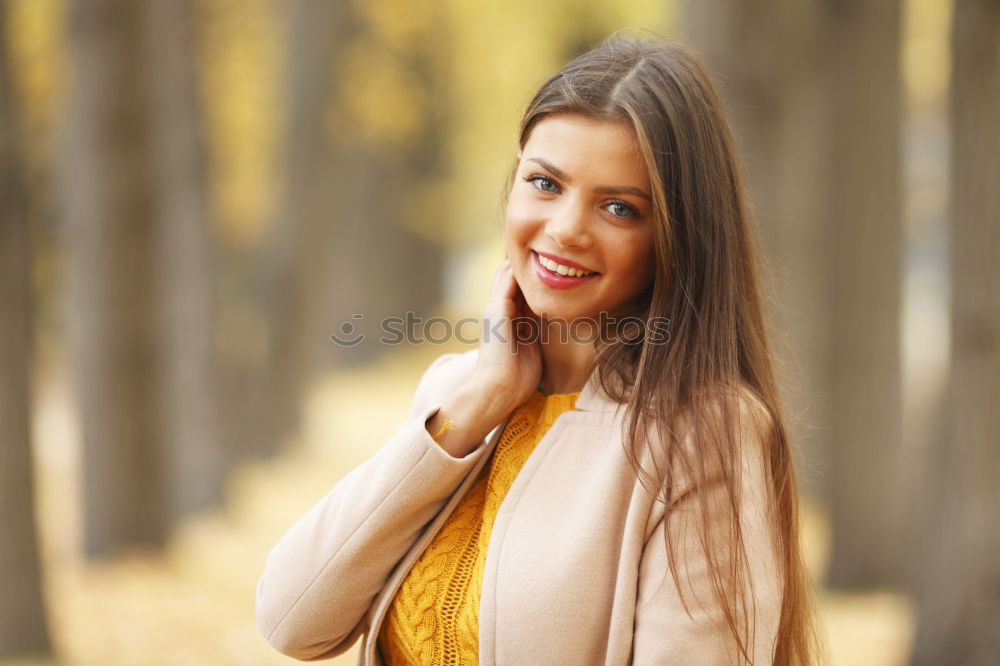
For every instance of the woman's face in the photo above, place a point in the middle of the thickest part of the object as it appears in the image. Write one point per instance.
(581, 198)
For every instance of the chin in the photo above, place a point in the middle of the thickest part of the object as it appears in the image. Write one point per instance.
(555, 311)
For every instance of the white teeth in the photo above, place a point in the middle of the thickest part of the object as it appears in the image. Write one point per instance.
(560, 269)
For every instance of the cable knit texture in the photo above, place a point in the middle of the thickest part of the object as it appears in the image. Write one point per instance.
(434, 616)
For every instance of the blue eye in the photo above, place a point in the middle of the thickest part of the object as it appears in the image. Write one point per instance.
(539, 178)
(625, 209)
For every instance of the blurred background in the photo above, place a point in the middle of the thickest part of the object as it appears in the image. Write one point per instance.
(197, 193)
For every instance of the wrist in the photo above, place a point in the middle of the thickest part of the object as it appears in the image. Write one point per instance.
(487, 399)
(466, 417)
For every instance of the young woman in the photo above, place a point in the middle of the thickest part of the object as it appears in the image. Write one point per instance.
(607, 478)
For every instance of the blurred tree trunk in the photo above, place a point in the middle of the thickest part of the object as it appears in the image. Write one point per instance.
(340, 253)
(195, 473)
(108, 208)
(303, 238)
(815, 92)
(773, 62)
(139, 241)
(865, 219)
(391, 254)
(958, 601)
(23, 625)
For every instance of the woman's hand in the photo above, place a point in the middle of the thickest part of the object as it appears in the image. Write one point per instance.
(508, 370)
(510, 356)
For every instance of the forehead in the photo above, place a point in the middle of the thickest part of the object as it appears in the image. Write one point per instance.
(599, 151)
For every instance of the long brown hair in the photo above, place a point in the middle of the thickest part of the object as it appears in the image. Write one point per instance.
(706, 287)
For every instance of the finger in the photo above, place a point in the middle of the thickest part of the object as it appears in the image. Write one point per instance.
(506, 285)
(510, 288)
(498, 276)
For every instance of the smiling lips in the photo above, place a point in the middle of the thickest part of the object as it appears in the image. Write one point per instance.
(559, 275)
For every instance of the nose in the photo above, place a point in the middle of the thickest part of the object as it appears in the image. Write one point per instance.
(569, 225)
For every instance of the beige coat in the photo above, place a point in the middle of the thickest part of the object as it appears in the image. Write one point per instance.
(576, 570)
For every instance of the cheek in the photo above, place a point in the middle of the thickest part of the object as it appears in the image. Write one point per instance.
(520, 225)
(642, 255)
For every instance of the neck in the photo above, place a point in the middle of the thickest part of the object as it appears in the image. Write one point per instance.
(566, 366)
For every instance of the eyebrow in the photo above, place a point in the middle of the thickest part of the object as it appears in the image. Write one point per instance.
(604, 190)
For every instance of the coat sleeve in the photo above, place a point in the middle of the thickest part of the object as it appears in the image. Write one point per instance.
(323, 574)
(665, 633)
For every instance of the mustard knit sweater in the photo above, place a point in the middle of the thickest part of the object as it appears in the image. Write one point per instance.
(434, 616)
